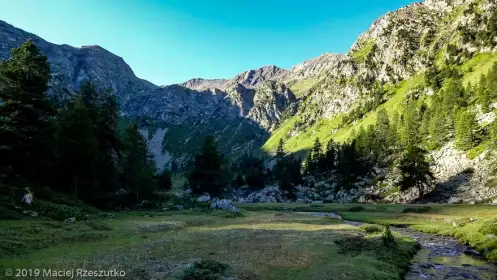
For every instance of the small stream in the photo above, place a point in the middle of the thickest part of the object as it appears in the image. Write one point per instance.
(441, 257)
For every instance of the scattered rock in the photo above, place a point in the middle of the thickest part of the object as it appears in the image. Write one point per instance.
(204, 198)
(225, 204)
(31, 213)
(472, 252)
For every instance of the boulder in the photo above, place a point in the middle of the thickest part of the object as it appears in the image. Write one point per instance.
(204, 198)
(31, 213)
(225, 204)
(71, 220)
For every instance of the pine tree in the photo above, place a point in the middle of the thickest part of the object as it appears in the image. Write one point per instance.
(382, 131)
(78, 149)
(164, 180)
(415, 170)
(425, 125)
(26, 116)
(280, 151)
(109, 142)
(437, 130)
(330, 155)
(464, 136)
(314, 160)
(410, 125)
(138, 167)
(206, 175)
(393, 132)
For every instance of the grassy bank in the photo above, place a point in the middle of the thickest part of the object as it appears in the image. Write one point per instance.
(473, 224)
(256, 245)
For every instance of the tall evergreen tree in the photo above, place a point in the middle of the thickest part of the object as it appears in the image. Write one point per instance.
(415, 170)
(164, 180)
(464, 136)
(26, 116)
(410, 125)
(138, 168)
(78, 149)
(425, 125)
(330, 155)
(393, 132)
(206, 176)
(382, 131)
(280, 151)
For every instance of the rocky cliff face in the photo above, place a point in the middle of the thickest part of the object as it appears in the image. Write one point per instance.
(252, 97)
(70, 66)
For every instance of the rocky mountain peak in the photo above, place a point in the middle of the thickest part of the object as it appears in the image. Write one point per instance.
(252, 78)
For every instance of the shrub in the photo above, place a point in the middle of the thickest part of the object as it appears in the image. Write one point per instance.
(97, 225)
(204, 270)
(424, 209)
(356, 209)
(57, 211)
(388, 238)
(489, 227)
(371, 228)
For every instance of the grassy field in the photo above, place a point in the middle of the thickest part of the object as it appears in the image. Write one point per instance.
(257, 245)
(473, 224)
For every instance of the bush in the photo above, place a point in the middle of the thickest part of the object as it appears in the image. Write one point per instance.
(9, 214)
(204, 270)
(57, 211)
(489, 227)
(356, 209)
(371, 228)
(388, 238)
(97, 225)
(424, 209)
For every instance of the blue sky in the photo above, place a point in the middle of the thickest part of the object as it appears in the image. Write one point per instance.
(172, 41)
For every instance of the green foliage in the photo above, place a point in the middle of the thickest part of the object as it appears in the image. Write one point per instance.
(415, 170)
(424, 209)
(489, 227)
(465, 137)
(138, 167)
(58, 212)
(356, 209)
(204, 270)
(372, 228)
(206, 175)
(26, 118)
(388, 238)
(164, 180)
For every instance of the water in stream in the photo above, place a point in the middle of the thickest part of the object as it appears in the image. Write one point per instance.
(441, 257)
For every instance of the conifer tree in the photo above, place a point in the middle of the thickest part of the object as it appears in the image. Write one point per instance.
(464, 136)
(330, 155)
(382, 131)
(78, 149)
(206, 176)
(280, 151)
(425, 125)
(410, 125)
(415, 170)
(164, 180)
(138, 166)
(393, 132)
(26, 116)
